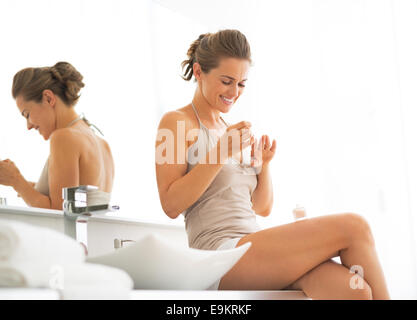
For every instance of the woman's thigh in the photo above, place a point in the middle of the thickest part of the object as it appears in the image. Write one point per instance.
(280, 255)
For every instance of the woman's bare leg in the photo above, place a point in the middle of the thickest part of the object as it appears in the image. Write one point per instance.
(333, 281)
(363, 256)
(281, 255)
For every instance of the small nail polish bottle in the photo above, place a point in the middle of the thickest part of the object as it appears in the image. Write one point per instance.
(299, 213)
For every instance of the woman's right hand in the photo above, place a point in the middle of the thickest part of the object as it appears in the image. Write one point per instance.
(9, 173)
(236, 138)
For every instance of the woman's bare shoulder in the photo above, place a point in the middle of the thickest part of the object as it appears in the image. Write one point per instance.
(64, 135)
(170, 119)
(74, 138)
(65, 142)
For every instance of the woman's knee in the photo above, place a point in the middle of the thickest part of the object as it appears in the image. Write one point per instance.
(357, 227)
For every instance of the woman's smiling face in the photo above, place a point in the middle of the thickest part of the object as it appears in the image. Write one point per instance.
(223, 85)
(39, 116)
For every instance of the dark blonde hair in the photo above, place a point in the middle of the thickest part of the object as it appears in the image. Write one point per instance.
(62, 79)
(209, 48)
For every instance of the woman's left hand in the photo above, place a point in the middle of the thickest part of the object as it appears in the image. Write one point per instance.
(262, 151)
(9, 173)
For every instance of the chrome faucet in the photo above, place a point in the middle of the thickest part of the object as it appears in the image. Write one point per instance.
(75, 202)
(77, 209)
(3, 201)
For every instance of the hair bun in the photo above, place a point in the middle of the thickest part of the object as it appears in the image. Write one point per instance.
(62, 78)
(70, 78)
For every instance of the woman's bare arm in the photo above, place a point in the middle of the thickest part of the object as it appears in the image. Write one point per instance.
(178, 190)
(63, 164)
(262, 197)
(30, 195)
(63, 172)
(10, 176)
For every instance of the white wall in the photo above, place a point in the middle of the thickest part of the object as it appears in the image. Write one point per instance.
(333, 81)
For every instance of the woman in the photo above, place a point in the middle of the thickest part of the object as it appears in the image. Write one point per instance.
(219, 199)
(46, 98)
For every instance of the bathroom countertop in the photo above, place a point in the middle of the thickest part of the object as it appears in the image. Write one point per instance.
(217, 295)
(28, 294)
(31, 211)
(110, 217)
(49, 294)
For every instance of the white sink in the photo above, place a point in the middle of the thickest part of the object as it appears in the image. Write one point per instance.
(153, 262)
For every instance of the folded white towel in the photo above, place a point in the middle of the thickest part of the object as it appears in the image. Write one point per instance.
(74, 281)
(37, 257)
(94, 281)
(23, 242)
(9, 241)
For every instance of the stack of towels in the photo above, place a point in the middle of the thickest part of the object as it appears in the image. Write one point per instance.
(37, 257)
